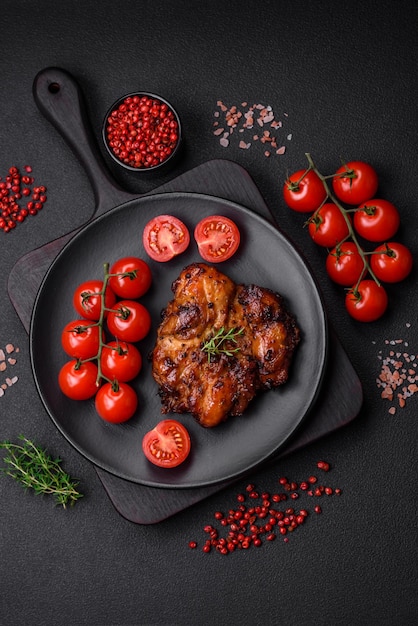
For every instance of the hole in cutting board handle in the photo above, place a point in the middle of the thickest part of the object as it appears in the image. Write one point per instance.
(54, 87)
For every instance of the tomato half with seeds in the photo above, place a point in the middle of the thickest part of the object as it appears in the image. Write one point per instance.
(377, 220)
(368, 302)
(304, 191)
(116, 402)
(77, 380)
(327, 226)
(344, 264)
(167, 444)
(129, 321)
(164, 237)
(391, 262)
(121, 361)
(81, 339)
(87, 299)
(355, 182)
(217, 238)
(130, 277)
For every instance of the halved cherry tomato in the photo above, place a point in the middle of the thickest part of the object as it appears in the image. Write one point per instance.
(133, 277)
(121, 361)
(116, 403)
(217, 238)
(129, 320)
(368, 302)
(164, 237)
(377, 220)
(87, 299)
(304, 193)
(77, 380)
(344, 264)
(168, 444)
(355, 182)
(327, 226)
(391, 262)
(81, 339)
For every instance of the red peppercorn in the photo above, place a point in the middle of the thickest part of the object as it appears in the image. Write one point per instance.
(323, 465)
(142, 132)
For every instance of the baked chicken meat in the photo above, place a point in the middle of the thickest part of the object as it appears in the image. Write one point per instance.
(219, 344)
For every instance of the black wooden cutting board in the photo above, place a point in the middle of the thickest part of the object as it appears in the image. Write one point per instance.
(339, 401)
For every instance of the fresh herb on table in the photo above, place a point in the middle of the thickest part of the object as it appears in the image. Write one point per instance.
(33, 468)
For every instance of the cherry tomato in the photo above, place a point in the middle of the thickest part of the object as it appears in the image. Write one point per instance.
(377, 220)
(327, 227)
(168, 444)
(116, 403)
(133, 277)
(368, 302)
(81, 339)
(129, 320)
(304, 194)
(355, 182)
(344, 264)
(120, 361)
(391, 262)
(87, 299)
(217, 238)
(164, 237)
(77, 380)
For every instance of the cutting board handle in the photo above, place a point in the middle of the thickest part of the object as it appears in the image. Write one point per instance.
(60, 99)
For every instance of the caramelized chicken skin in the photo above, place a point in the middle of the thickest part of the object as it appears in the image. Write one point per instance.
(212, 387)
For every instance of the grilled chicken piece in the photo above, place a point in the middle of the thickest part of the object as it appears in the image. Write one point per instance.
(212, 386)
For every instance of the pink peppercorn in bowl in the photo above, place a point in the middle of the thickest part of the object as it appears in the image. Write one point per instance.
(142, 132)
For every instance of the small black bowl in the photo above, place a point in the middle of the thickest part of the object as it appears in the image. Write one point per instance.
(142, 132)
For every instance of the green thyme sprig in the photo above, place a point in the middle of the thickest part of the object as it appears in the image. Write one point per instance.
(34, 469)
(217, 344)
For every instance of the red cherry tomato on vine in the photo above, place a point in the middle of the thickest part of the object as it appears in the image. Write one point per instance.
(377, 220)
(391, 262)
(304, 193)
(133, 277)
(327, 227)
(168, 444)
(87, 299)
(78, 381)
(368, 302)
(164, 237)
(81, 339)
(116, 403)
(344, 264)
(120, 361)
(129, 320)
(355, 182)
(217, 238)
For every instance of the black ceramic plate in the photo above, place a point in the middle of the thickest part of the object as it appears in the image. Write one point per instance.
(265, 258)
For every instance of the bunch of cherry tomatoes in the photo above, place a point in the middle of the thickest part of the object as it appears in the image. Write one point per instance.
(337, 227)
(103, 368)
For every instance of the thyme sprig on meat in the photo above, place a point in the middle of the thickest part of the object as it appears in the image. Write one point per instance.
(217, 344)
(33, 468)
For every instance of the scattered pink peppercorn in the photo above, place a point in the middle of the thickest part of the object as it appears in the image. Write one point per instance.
(254, 524)
(13, 189)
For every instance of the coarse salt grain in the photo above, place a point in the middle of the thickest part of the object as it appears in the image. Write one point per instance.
(9, 381)
(244, 118)
(398, 377)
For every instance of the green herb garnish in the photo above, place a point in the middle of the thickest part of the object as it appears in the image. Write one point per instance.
(33, 468)
(216, 344)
